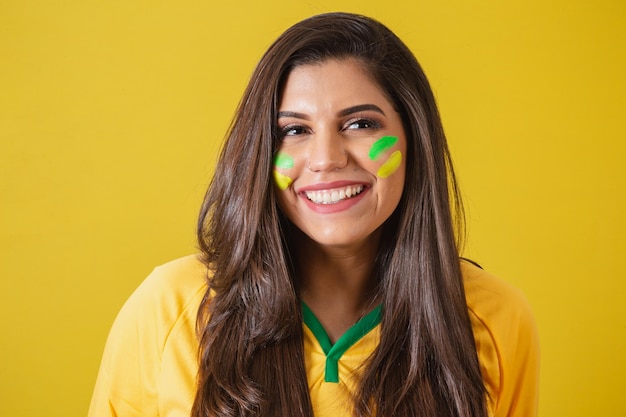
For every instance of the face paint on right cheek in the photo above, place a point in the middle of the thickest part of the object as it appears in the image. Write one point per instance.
(282, 161)
(282, 181)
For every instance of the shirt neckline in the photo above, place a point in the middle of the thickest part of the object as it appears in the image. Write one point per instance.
(334, 352)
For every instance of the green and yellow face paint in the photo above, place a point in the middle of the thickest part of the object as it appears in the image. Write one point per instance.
(282, 161)
(379, 148)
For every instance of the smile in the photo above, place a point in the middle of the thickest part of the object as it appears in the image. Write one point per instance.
(333, 196)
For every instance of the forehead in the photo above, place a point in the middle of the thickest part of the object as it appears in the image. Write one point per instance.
(331, 80)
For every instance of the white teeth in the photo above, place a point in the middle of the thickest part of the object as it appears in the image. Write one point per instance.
(333, 196)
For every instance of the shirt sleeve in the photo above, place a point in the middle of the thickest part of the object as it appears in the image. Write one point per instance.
(507, 344)
(127, 379)
(518, 345)
(150, 358)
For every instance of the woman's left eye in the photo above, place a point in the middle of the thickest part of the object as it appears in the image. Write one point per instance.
(362, 124)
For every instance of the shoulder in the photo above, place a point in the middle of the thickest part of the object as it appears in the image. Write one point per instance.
(175, 278)
(171, 291)
(506, 339)
(166, 292)
(491, 299)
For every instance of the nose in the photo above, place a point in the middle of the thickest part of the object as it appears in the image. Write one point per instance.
(327, 152)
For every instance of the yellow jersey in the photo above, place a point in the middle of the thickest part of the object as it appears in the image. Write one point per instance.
(149, 365)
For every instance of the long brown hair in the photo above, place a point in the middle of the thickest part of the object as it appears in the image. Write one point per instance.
(250, 323)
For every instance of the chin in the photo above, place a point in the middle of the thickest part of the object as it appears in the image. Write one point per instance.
(335, 239)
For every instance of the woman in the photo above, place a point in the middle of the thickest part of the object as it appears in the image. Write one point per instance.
(330, 282)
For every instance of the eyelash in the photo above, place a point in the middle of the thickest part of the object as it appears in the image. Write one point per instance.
(284, 131)
(371, 124)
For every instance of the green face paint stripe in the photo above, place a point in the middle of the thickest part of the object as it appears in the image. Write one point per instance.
(391, 165)
(283, 161)
(381, 145)
(282, 181)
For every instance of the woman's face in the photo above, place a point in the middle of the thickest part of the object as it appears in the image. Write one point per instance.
(339, 170)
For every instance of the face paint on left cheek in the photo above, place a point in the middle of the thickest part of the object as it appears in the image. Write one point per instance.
(282, 161)
(392, 163)
(381, 146)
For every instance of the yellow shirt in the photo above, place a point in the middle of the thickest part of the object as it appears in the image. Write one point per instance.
(149, 364)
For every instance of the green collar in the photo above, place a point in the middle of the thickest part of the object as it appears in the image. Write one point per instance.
(345, 342)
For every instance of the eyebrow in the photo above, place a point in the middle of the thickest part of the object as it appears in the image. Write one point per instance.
(293, 114)
(342, 113)
(361, 107)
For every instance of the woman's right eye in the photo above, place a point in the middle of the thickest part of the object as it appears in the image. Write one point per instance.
(292, 130)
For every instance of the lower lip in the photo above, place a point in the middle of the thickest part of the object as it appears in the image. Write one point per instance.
(337, 207)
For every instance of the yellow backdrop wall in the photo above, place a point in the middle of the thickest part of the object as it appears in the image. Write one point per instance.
(111, 114)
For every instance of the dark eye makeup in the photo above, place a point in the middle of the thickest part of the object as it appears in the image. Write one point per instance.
(291, 130)
(362, 123)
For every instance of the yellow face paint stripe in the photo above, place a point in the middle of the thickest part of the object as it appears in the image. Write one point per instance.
(282, 181)
(391, 165)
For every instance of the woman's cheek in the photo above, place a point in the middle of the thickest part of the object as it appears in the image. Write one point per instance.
(282, 163)
(379, 151)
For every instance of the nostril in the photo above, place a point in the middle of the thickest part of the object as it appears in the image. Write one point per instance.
(327, 159)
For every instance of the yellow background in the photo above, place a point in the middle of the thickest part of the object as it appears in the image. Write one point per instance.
(111, 113)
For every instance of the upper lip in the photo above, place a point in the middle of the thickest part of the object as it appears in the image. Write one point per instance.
(329, 185)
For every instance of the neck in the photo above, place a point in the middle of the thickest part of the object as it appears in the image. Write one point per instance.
(337, 283)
